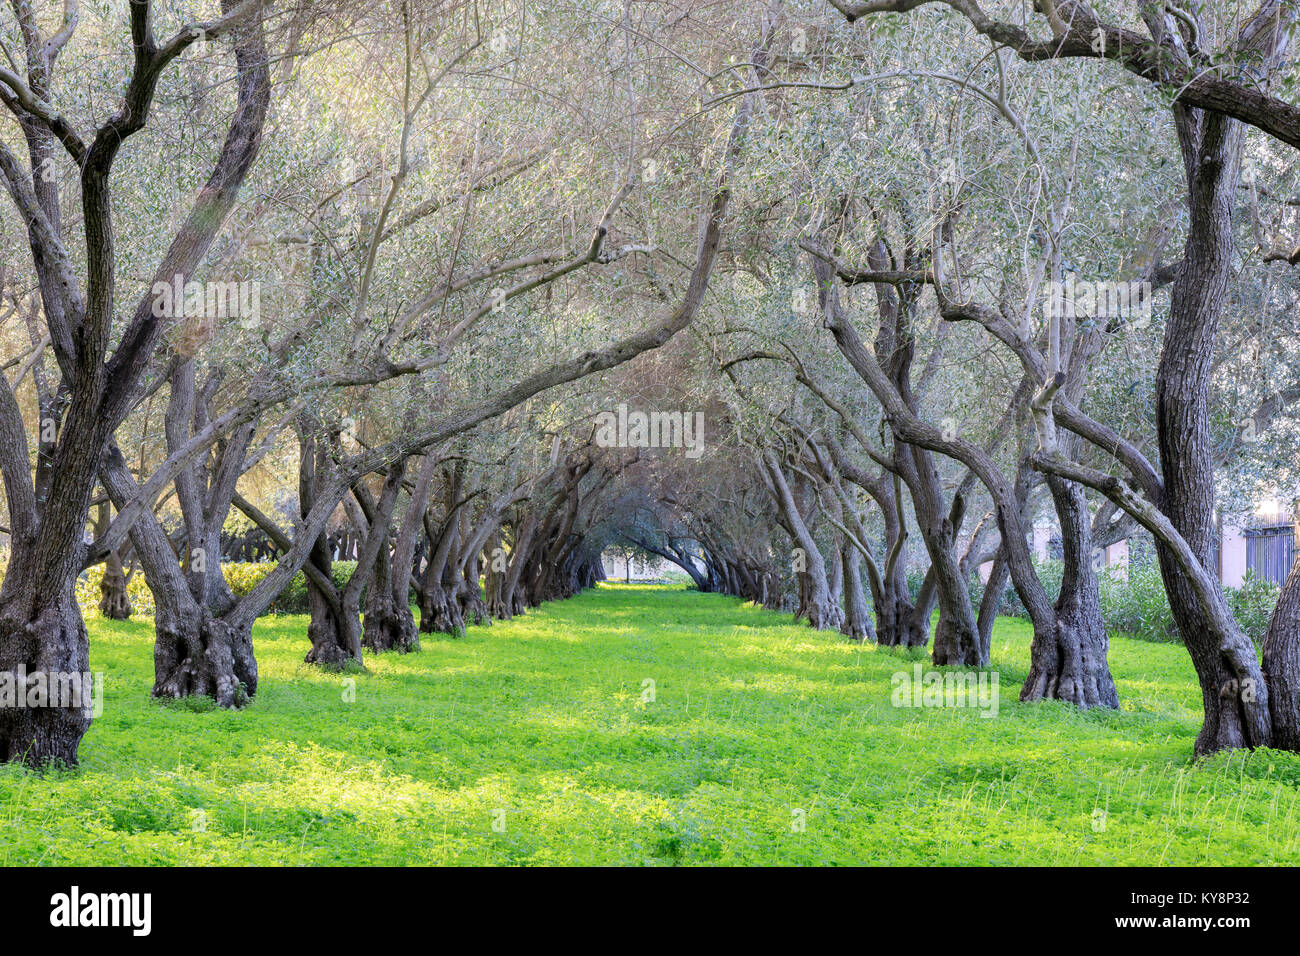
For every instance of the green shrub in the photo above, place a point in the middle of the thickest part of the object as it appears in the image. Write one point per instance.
(1049, 572)
(88, 593)
(1252, 605)
(241, 576)
(1140, 608)
(915, 577)
(244, 576)
(1137, 606)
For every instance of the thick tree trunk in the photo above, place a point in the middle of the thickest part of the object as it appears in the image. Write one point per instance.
(496, 598)
(389, 624)
(440, 611)
(835, 572)
(199, 655)
(1282, 664)
(334, 633)
(114, 601)
(196, 653)
(335, 637)
(857, 618)
(384, 627)
(473, 607)
(1232, 686)
(40, 625)
(511, 593)
(1070, 663)
(372, 581)
(518, 601)
(494, 579)
(900, 624)
(956, 635)
(47, 641)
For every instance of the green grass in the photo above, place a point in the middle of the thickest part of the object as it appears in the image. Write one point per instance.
(544, 718)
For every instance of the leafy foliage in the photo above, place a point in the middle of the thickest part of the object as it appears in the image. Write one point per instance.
(1252, 605)
(1049, 571)
(1135, 604)
(241, 577)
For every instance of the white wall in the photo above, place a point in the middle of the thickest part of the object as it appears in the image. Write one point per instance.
(1233, 549)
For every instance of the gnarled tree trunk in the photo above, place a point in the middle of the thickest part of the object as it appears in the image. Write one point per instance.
(1071, 665)
(41, 633)
(1232, 686)
(198, 654)
(114, 600)
(815, 592)
(857, 618)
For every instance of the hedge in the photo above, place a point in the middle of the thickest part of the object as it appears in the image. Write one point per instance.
(242, 577)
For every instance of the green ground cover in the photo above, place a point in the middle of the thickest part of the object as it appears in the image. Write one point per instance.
(536, 742)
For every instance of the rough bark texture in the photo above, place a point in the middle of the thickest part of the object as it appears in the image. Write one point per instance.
(899, 623)
(334, 634)
(1282, 664)
(1232, 686)
(1069, 664)
(857, 618)
(40, 624)
(50, 639)
(335, 641)
(440, 610)
(473, 606)
(389, 624)
(114, 601)
(196, 654)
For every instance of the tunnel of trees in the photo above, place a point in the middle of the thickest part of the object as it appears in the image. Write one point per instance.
(826, 306)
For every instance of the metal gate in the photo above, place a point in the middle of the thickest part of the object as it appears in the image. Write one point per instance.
(1270, 552)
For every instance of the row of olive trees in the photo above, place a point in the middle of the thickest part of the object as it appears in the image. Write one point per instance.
(927, 205)
(455, 271)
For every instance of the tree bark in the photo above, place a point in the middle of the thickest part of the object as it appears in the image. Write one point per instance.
(114, 600)
(857, 619)
(1072, 666)
(41, 635)
(196, 652)
(1282, 663)
(1232, 686)
(823, 613)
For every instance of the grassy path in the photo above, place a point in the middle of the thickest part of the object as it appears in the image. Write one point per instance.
(756, 726)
